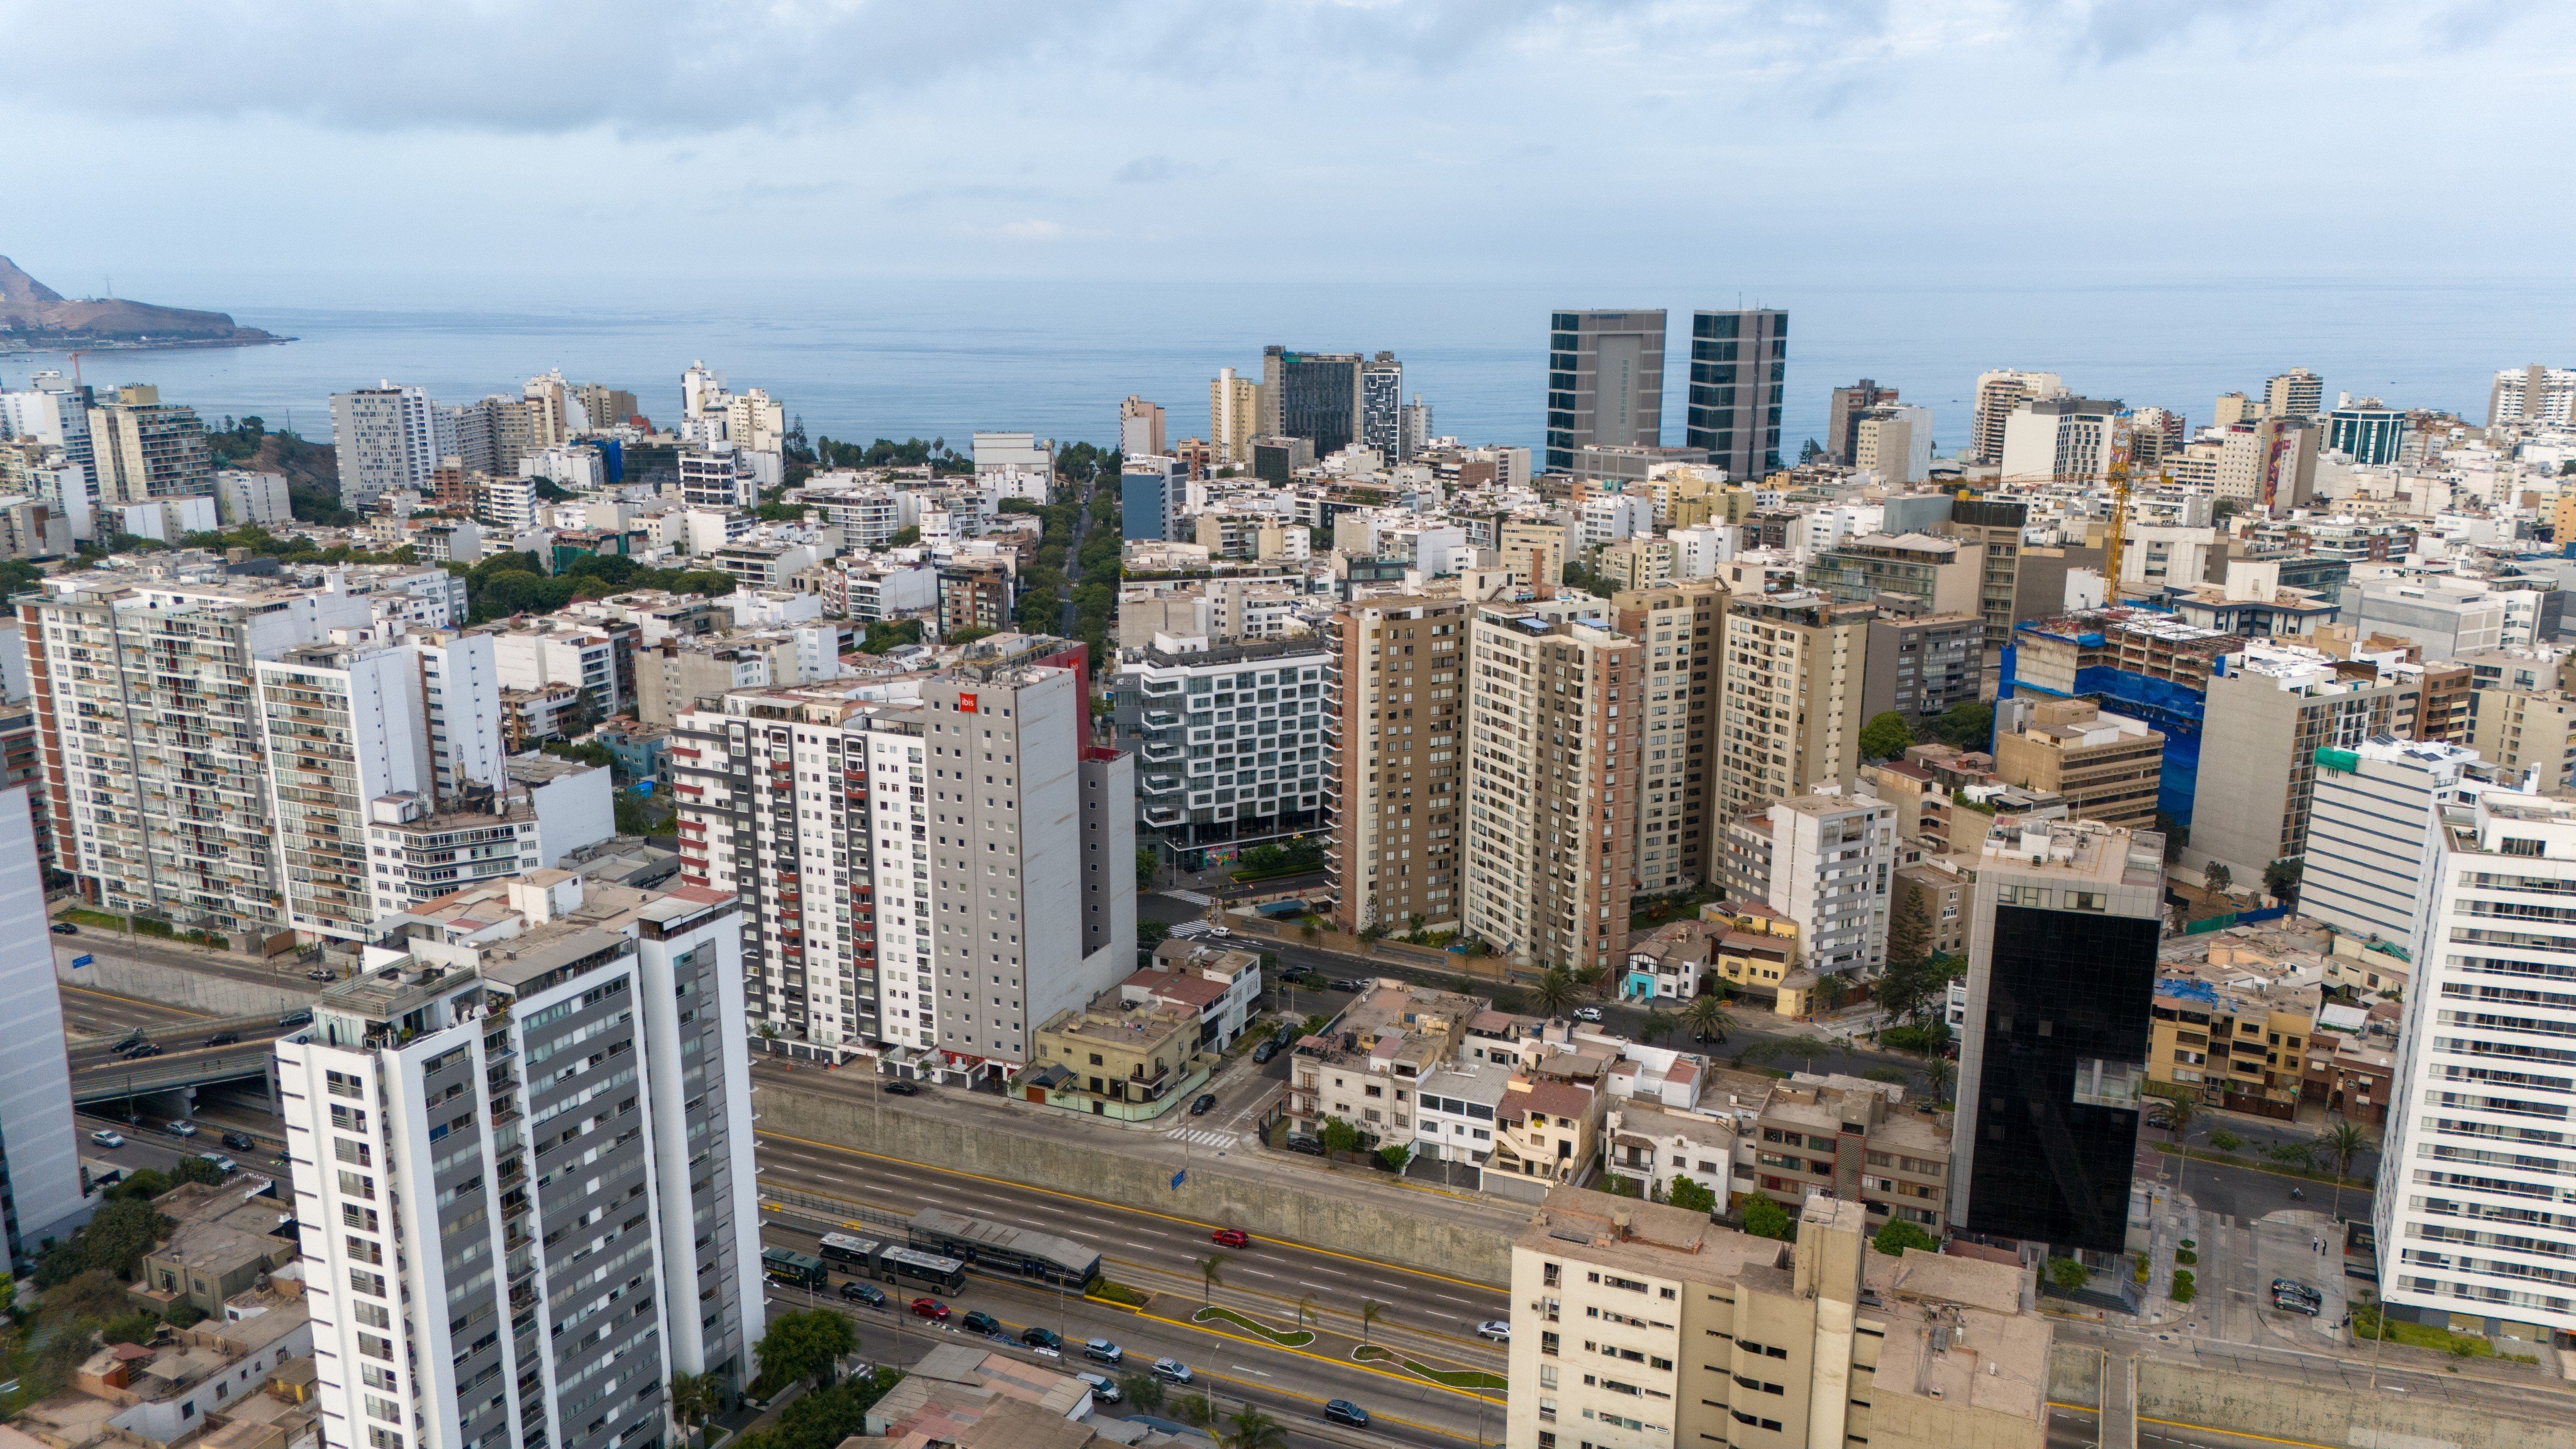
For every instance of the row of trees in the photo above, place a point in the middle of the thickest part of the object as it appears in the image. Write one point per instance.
(517, 583)
(1965, 726)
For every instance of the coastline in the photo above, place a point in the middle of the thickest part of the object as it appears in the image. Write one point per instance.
(58, 347)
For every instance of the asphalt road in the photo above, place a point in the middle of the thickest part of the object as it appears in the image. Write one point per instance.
(88, 1013)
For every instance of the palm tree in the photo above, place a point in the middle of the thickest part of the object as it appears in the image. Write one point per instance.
(2344, 1143)
(2178, 1114)
(1370, 1312)
(1306, 1306)
(1212, 1268)
(1938, 1072)
(693, 1396)
(1554, 992)
(1708, 1017)
(1249, 1428)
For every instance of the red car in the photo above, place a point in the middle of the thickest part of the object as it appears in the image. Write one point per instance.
(930, 1308)
(1230, 1238)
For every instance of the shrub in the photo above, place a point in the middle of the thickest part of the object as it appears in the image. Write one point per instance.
(1764, 1218)
(1118, 1293)
(2068, 1274)
(1900, 1235)
(2225, 1141)
(2184, 1288)
(2186, 1257)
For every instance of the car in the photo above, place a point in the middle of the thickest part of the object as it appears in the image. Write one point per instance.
(240, 1142)
(1172, 1371)
(181, 1129)
(223, 1038)
(130, 1046)
(321, 973)
(1265, 1051)
(979, 1321)
(1294, 973)
(1101, 1350)
(2296, 1289)
(1102, 1387)
(867, 1293)
(106, 1138)
(1495, 1329)
(1230, 1238)
(930, 1308)
(142, 1050)
(1350, 983)
(1045, 1338)
(1587, 1013)
(1311, 1146)
(65, 928)
(903, 1087)
(1343, 1411)
(301, 1017)
(2292, 1303)
(1205, 1102)
(1283, 1036)
(223, 1164)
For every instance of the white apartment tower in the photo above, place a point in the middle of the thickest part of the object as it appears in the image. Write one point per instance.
(522, 1161)
(2476, 1205)
(2370, 824)
(386, 440)
(1998, 393)
(343, 724)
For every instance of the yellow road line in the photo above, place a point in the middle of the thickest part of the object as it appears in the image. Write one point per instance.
(2073, 1408)
(1399, 1377)
(1123, 1207)
(2233, 1433)
(133, 1000)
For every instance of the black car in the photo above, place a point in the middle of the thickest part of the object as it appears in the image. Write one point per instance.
(1036, 1337)
(1350, 983)
(1343, 1411)
(867, 1293)
(223, 1038)
(1311, 1146)
(1283, 1036)
(146, 1049)
(1265, 1051)
(1204, 1103)
(904, 1087)
(240, 1142)
(984, 1323)
(65, 928)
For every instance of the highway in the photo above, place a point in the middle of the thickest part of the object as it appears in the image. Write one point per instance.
(88, 1013)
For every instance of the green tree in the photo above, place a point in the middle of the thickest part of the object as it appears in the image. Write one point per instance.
(119, 1234)
(804, 1345)
(1966, 726)
(2218, 877)
(1249, 1428)
(2343, 1144)
(1708, 1018)
(1901, 1234)
(2225, 1141)
(1909, 930)
(1211, 1273)
(1370, 1312)
(2069, 1275)
(1886, 736)
(1340, 1136)
(198, 1169)
(1764, 1218)
(2281, 879)
(1554, 992)
(904, 538)
(1150, 934)
(692, 1397)
(1142, 1393)
(1937, 1074)
(1658, 1025)
(1832, 990)
(1146, 864)
(1691, 1197)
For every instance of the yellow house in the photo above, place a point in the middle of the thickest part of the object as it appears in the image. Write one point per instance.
(1127, 1057)
(2232, 1032)
(1757, 954)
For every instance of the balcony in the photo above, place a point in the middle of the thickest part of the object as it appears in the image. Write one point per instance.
(1162, 754)
(1162, 719)
(1162, 784)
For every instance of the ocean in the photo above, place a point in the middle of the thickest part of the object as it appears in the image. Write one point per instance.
(942, 359)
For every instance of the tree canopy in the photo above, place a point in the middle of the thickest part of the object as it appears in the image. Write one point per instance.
(804, 1345)
(1886, 736)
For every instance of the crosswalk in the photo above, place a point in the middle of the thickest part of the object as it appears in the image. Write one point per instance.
(1204, 1136)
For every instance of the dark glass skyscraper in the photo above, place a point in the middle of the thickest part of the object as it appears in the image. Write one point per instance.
(1312, 395)
(1605, 382)
(2061, 975)
(1738, 360)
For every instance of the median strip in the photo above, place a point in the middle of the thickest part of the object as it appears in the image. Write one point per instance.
(1290, 1338)
(1463, 1380)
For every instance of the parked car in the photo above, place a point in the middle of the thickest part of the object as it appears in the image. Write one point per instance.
(1205, 1102)
(867, 1293)
(1343, 1411)
(1101, 1350)
(1495, 1329)
(1220, 930)
(105, 1138)
(1103, 1387)
(1230, 1238)
(1172, 1371)
(2293, 1303)
(1283, 1036)
(181, 1129)
(2298, 1289)
(903, 1087)
(223, 1038)
(1587, 1013)
(321, 973)
(1349, 983)
(930, 1308)
(141, 1050)
(300, 1017)
(979, 1321)
(240, 1142)
(223, 1164)
(1046, 1338)
(1265, 1051)
(65, 928)
(1311, 1146)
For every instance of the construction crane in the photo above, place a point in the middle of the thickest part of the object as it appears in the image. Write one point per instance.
(2112, 546)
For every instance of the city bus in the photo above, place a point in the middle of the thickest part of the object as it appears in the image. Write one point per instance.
(801, 1270)
(914, 1268)
(841, 1248)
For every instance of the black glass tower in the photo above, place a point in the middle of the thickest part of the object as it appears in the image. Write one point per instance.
(1738, 361)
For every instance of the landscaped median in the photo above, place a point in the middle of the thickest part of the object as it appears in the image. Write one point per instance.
(1466, 1380)
(2261, 1164)
(1117, 1295)
(1284, 1337)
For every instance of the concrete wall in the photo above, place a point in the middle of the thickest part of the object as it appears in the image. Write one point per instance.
(176, 985)
(2338, 1414)
(1464, 1240)
(2075, 1375)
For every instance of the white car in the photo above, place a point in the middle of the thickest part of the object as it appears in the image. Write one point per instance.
(105, 1138)
(181, 1129)
(1587, 1013)
(1495, 1329)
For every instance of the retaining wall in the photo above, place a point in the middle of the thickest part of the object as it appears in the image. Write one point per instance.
(1470, 1240)
(2336, 1414)
(177, 985)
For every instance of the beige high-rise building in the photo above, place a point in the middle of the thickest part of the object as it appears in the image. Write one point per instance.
(1554, 730)
(2108, 766)
(1234, 417)
(2297, 393)
(1643, 1324)
(1534, 550)
(1795, 666)
(2233, 408)
(1393, 705)
(146, 449)
(1998, 393)
(1682, 629)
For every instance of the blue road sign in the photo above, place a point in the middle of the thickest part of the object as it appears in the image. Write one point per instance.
(80, 960)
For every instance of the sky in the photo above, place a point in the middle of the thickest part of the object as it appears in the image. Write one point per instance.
(232, 153)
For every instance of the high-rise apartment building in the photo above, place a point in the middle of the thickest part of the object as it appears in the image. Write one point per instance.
(144, 449)
(386, 440)
(2267, 462)
(1311, 395)
(1893, 441)
(2367, 431)
(1605, 382)
(2533, 394)
(522, 1161)
(1739, 361)
(40, 1172)
(1999, 394)
(1413, 428)
(1842, 417)
(343, 724)
(52, 409)
(1140, 426)
(461, 694)
(1995, 524)
(2371, 826)
(1681, 629)
(2297, 393)
(1229, 741)
(899, 855)
(1234, 417)
(2061, 979)
(2267, 712)
(1796, 664)
(1394, 707)
(1921, 664)
(157, 757)
(1382, 407)
(1554, 730)
(2107, 767)
(2059, 439)
(1826, 863)
(2474, 1238)
(718, 475)
(1637, 1323)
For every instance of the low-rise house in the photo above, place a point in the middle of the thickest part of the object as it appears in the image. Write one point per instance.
(222, 1246)
(1652, 1144)
(1545, 1133)
(1366, 1069)
(1217, 982)
(1110, 1059)
(1456, 1111)
(1852, 1139)
(187, 1381)
(1670, 964)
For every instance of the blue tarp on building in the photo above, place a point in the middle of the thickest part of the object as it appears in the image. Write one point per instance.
(2172, 709)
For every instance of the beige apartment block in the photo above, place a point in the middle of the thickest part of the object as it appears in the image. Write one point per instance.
(1794, 665)
(2107, 766)
(1682, 628)
(1393, 705)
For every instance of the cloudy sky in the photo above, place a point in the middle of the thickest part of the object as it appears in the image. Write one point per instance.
(354, 149)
